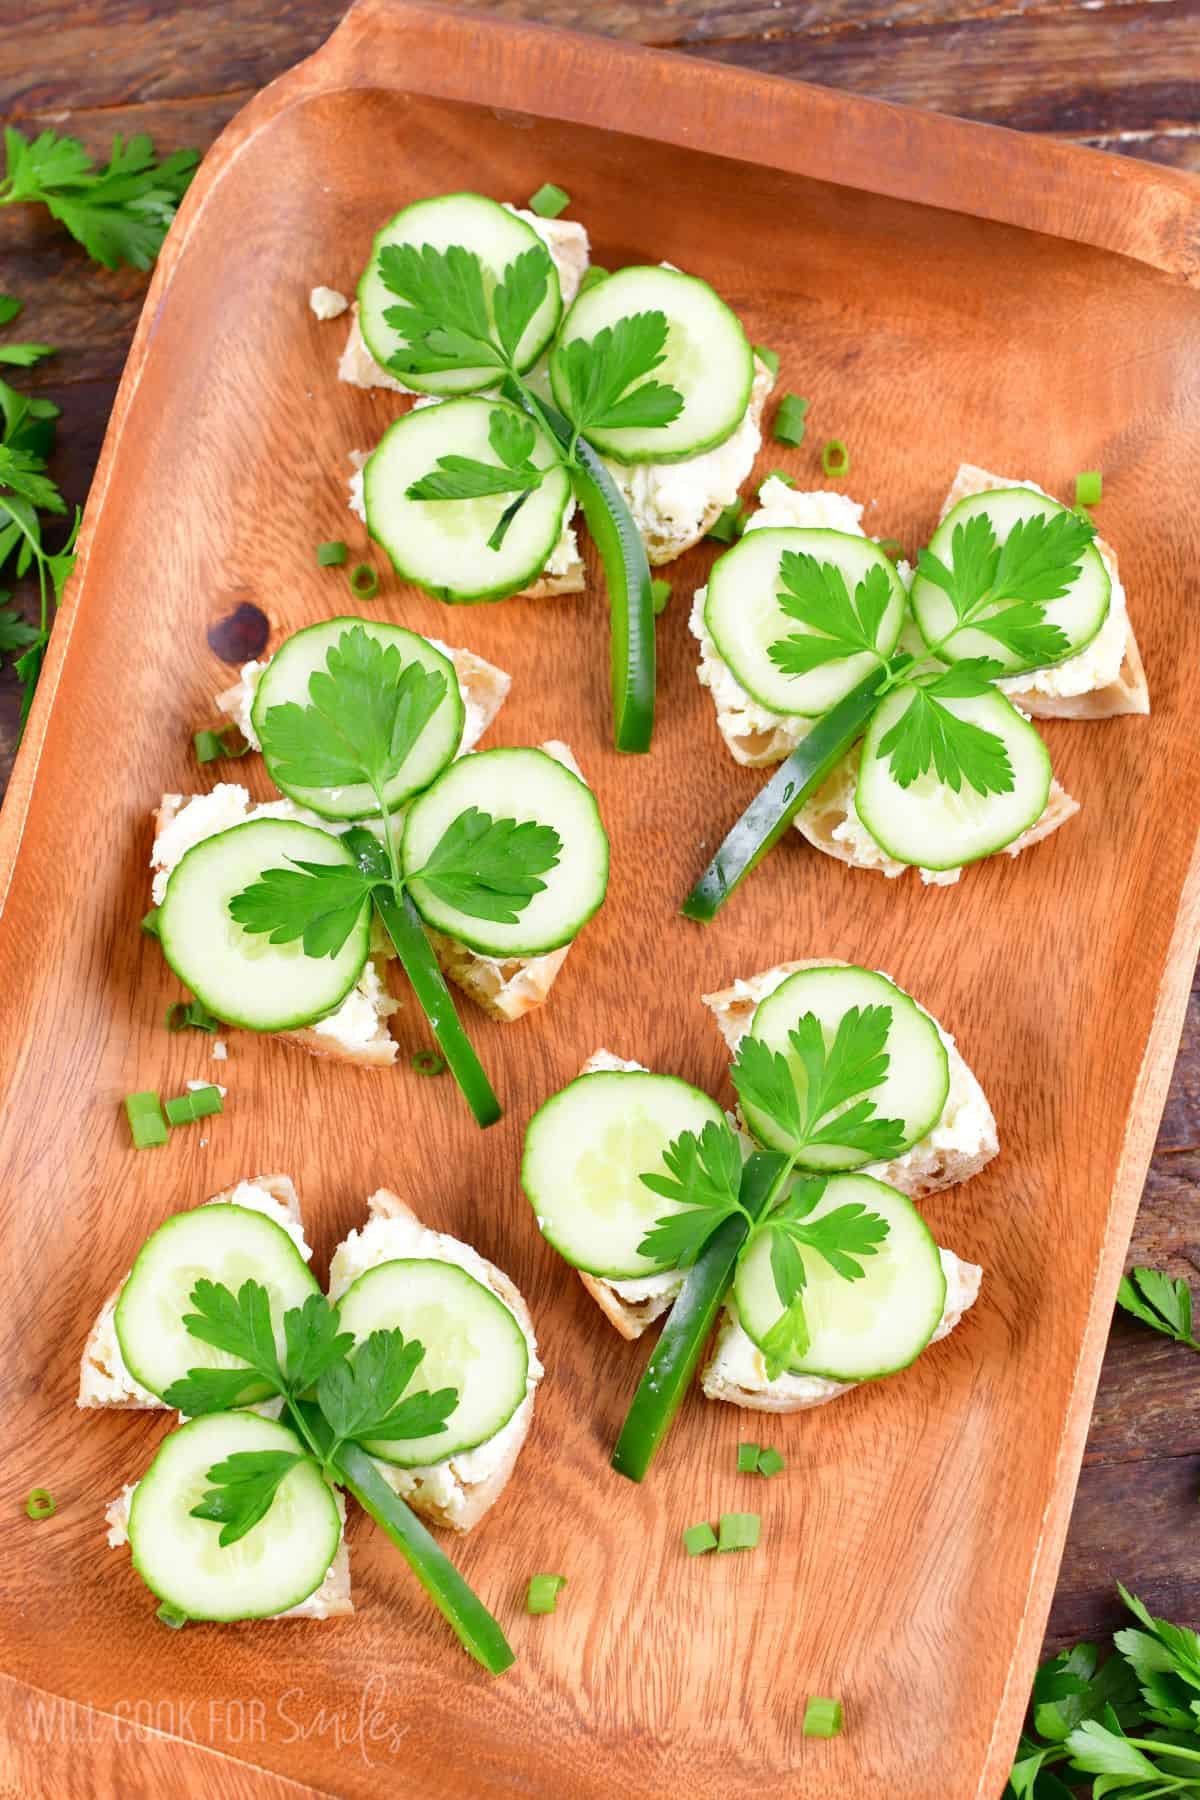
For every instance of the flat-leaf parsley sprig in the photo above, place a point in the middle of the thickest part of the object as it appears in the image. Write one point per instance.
(119, 213)
(365, 713)
(336, 1398)
(998, 591)
(729, 1200)
(448, 325)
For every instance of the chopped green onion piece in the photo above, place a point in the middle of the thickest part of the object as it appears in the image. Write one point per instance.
(747, 1459)
(770, 357)
(150, 922)
(1088, 487)
(699, 1538)
(41, 1504)
(188, 1015)
(770, 1462)
(724, 527)
(543, 1593)
(179, 1111)
(331, 555)
(549, 201)
(1081, 512)
(146, 1123)
(660, 593)
(211, 746)
(789, 420)
(835, 458)
(174, 1616)
(739, 1531)
(428, 1062)
(205, 1101)
(592, 278)
(823, 1718)
(777, 475)
(364, 582)
(891, 547)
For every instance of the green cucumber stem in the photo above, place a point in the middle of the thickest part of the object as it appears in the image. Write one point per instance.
(477, 1631)
(775, 806)
(668, 1374)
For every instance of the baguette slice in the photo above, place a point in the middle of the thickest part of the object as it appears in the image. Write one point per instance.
(505, 988)
(735, 1370)
(358, 1031)
(1126, 691)
(103, 1378)
(963, 1141)
(330, 1601)
(458, 1492)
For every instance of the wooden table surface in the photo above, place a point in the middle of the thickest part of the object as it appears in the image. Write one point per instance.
(1112, 73)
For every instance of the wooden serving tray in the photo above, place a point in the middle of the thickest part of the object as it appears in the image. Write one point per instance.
(940, 291)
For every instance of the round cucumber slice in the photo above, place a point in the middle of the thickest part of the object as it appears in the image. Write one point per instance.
(928, 823)
(529, 786)
(472, 1343)
(916, 1085)
(1079, 612)
(476, 224)
(239, 975)
(226, 1244)
(859, 1330)
(276, 1565)
(442, 545)
(745, 616)
(585, 1150)
(286, 682)
(707, 358)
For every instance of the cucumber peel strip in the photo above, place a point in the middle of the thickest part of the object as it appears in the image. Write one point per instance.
(403, 925)
(473, 1625)
(773, 809)
(669, 1373)
(626, 574)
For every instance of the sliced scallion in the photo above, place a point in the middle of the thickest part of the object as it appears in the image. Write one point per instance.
(777, 475)
(660, 593)
(189, 1015)
(891, 547)
(698, 1539)
(770, 1462)
(41, 1504)
(150, 922)
(770, 357)
(789, 420)
(835, 458)
(822, 1718)
(543, 1593)
(739, 1531)
(549, 201)
(364, 582)
(146, 1123)
(331, 555)
(747, 1459)
(174, 1616)
(725, 527)
(592, 278)
(1089, 485)
(428, 1062)
(213, 746)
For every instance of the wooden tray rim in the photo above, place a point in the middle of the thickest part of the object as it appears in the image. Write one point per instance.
(1117, 204)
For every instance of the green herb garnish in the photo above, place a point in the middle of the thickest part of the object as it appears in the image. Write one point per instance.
(146, 1123)
(770, 1463)
(184, 1015)
(726, 528)
(739, 1531)
(173, 1617)
(151, 928)
(119, 213)
(197, 1103)
(699, 1539)
(769, 357)
(332, 554)
(1001, 590)
(1159, 1302)
(747, 1459)
(364, 581)
(815, 594)
(660, 593)
(1089, 486)
(543, 1592)
(822, 1718)
(549, 201)
(789, 420)
(428, 1062)
(214, 746)
(40, 1504)
(835, 458)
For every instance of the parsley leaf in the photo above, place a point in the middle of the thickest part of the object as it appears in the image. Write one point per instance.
(313, 1341)
(366, 711)
(815, 594)
(10, 306)
(489, 868)
(928, 735)
(244, 1486)
(1159, 1302)
(361, 1396)
(15, 632)
(24, 356)
(23, 473)
(705, 1175)
(466, 478)
(601, 373)
(445, 316)
(319, 903)
(119, 213)
(204, 1390)
(238, 1324)
(1002, 589)
(831, 1105)
(516, 299)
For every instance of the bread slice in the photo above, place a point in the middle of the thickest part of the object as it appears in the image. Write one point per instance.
(735, 1371)
(103, 1378)
(963, 1141)
(330, 1601)
(507, 988)
(1127, 690)
(357, 1032)
(483, 686)
(675, 505)
(458, 1492)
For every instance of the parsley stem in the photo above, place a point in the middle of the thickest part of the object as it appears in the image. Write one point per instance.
(774, 808)
(668, 1374)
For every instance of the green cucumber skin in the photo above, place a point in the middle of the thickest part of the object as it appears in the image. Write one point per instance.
(772, 810)
(477, 1631)
(627, 577)
(669, 1373)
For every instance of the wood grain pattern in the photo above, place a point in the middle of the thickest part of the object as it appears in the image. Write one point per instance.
(654, 1675)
